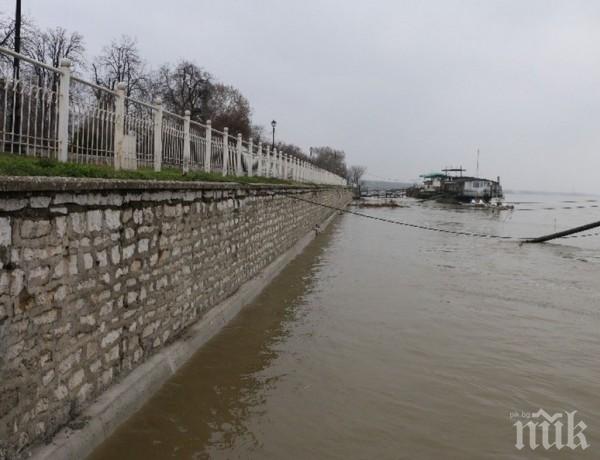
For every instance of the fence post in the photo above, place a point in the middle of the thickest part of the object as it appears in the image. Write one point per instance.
(119, 126)
(186, 142)
(225, 150)
(259, 170)
(63, 110)
(158, 117)
(280, 165)
(268, 161)
(285, 166)
(250, 159)
(208, 149)
(238, 157)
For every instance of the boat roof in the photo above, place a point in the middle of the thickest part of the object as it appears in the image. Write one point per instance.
(471, 178)
(433, 175)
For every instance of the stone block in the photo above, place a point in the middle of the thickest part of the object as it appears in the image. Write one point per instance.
(110, 338)
(128, 251)
(13, 204)
(77, 223)
(76, 379)
(61, 392)
(113, 219)
(94, 220)
(88, 261)
(40, 201)
(35, 228)
(5, 232)
(143, 245)
(46, 318)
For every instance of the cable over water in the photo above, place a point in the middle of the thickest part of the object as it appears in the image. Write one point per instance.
(407, 224)
(443, 230)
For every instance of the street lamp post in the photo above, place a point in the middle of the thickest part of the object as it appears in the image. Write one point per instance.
(16, 63)
(273, 124)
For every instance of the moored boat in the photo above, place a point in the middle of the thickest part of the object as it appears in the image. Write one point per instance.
(451, 186)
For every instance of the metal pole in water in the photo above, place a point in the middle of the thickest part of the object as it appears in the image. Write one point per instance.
(564, 233)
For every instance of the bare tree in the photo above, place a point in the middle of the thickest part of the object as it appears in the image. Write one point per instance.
(227, 107)
(53, 45)
(292, 149)
(7, 31)
(7, 35)
(355, 174)
(331, 160)
(257, 132)
(184, 87)
(121, 62)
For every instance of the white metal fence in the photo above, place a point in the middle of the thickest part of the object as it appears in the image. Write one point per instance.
(48, 112)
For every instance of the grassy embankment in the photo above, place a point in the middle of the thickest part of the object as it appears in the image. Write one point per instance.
(16, 165)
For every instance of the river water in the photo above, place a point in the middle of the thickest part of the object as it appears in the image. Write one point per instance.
(386, 342)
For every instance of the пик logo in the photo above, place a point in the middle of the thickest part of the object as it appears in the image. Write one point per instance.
(551, 428)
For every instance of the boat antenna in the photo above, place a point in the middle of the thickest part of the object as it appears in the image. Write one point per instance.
(477, 163)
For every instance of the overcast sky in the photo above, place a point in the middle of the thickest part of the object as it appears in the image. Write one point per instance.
(404, 87)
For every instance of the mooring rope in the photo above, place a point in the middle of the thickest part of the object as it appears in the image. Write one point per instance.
(407, 224)
(435, 229)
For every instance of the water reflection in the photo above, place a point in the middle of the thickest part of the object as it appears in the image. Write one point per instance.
(205, 406)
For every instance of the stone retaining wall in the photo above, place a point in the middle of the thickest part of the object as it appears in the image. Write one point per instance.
(96, 276)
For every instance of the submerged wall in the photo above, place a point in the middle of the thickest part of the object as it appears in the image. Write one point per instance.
(97, 276)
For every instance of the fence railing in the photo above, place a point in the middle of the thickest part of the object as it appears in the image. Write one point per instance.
(48, 112)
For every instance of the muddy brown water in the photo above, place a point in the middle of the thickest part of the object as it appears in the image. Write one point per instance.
(383, 342)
